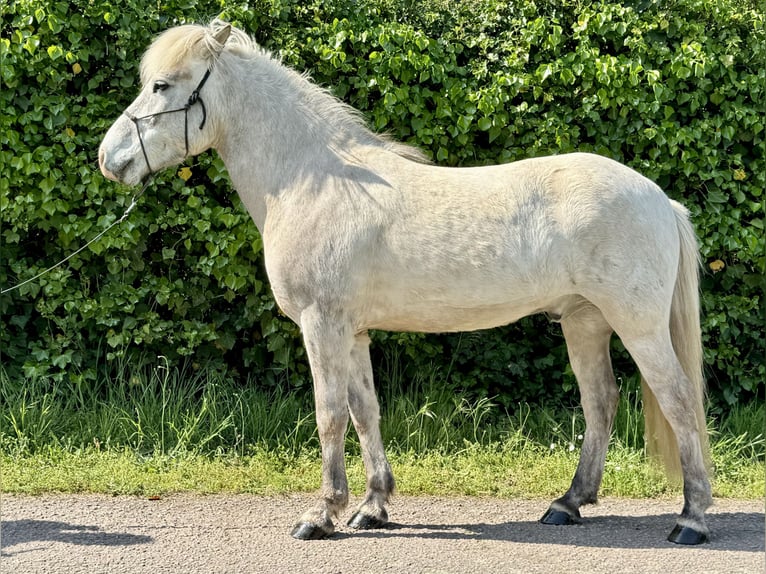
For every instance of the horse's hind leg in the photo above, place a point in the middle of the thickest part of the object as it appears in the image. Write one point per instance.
(676, 396)
(365, 414)
(587, 336)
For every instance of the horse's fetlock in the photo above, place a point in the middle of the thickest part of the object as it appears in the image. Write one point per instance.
(382, 483)
(567, 504)
(336, 502)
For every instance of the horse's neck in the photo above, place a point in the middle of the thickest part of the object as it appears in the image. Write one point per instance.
(273, 145)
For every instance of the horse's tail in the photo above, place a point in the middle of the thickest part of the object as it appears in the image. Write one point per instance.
(686, 335)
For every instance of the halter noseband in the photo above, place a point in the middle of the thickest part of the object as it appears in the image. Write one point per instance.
(194, 98)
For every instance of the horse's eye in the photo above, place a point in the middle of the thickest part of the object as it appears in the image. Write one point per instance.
(159, 87)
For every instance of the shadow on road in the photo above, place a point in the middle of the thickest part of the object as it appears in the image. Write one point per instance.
(740, 531)
(15, 532)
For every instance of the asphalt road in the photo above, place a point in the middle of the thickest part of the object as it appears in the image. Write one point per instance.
(66, 534)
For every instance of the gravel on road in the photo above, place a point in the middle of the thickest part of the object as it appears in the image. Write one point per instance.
(240, 534)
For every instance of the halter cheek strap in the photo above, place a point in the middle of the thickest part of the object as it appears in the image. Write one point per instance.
(194, 98)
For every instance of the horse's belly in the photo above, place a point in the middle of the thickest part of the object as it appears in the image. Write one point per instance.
(439, 316)
(456, 320)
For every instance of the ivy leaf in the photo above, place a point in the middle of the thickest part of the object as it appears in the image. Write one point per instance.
(185, 173)
(484, 124)
(716, 265)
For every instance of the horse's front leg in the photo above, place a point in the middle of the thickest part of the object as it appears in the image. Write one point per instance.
(328, 346)
(365, 414)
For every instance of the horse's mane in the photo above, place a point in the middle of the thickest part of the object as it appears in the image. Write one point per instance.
(175, 44)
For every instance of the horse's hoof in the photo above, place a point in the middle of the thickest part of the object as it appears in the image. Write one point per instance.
(308, 531)
(362, 521)
(687, 536)
(560, 518)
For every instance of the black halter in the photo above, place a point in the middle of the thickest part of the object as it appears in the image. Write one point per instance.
(194, 98)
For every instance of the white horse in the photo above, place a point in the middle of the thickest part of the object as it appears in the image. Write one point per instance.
(361, 233)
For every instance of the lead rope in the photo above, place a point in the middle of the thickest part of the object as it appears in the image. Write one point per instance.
(132, 205)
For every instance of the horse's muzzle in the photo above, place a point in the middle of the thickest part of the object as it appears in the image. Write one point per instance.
(112, 168)
(102, 165)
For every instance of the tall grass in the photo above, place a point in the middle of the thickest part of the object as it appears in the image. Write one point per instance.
(162, 413)
(156, 410)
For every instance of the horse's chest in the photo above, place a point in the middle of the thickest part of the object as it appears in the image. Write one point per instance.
(305, 268)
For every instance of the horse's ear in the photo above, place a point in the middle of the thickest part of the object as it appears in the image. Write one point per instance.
(223, 34)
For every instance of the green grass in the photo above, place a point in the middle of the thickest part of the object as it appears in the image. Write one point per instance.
(163, 431)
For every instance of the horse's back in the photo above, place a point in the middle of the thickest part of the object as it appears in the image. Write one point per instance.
(528, 218)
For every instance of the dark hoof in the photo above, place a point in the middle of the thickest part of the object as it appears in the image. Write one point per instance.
(308, 531)
(362, 521)
(560, 518)
(687, 536)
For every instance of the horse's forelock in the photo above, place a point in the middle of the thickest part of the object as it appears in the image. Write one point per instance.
(174, 45)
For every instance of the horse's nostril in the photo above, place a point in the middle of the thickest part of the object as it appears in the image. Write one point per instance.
(111, 171)
(105, 168)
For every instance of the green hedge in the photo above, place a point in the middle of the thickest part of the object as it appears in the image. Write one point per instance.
(675, 89)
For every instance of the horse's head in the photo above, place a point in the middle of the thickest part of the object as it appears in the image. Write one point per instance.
(167, 121)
